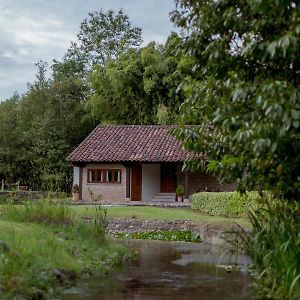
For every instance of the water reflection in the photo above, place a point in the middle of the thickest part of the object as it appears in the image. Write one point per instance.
(168, 270)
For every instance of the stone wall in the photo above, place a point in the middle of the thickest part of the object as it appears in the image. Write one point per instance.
(109, 191)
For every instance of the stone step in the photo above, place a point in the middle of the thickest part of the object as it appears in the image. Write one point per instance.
(164, 197)
(162, 201)
(166, 194)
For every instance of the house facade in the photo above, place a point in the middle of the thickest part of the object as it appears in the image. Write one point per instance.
(135, 163)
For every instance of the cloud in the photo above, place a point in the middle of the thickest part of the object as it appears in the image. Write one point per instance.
(33, 30)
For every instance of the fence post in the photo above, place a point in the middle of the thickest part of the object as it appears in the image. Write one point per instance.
(2, 185)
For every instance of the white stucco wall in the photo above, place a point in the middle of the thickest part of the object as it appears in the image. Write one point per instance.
(75, 175)
(150, 181)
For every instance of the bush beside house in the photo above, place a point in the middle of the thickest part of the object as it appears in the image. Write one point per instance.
(229, 204)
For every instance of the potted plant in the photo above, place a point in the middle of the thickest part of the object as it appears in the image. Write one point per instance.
(180, 193)
(75, 192)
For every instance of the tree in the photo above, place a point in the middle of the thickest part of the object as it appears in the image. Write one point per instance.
(9, 136)
(243, 90)
(40, 128)
(58, 124)
(102, 36)
(139, 87)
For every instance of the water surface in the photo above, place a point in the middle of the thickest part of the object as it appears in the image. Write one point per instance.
(168, 270)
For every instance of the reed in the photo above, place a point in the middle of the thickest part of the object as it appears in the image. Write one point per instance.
(274, 245)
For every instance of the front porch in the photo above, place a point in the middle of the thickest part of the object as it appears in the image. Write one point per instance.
(151, 182)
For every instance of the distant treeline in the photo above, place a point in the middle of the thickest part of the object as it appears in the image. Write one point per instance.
(106, 76)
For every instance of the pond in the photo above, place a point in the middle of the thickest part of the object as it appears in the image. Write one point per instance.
(169, 270)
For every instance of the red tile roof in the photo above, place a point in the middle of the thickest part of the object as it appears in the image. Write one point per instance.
(117, 143)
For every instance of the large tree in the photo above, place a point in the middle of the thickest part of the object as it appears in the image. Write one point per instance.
(244, 90)
(102, 36)
(139, 87)
(244, 96)
(9, 138)
(40, 128)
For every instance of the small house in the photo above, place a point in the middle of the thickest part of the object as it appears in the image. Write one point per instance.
(135, 163)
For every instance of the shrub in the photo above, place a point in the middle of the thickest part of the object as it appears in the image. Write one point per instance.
(180, 190)
(228, 204)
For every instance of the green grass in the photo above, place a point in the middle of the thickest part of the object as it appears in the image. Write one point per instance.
(158, 213)
(39, 241)
(151, 213)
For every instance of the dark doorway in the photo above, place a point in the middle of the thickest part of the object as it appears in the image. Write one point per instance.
(136, 182)
(168, 178)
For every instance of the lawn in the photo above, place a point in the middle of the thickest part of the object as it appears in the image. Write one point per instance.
(158, 213)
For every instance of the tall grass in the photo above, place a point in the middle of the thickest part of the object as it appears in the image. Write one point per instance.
(42, 243)
(41, 212)
(58, 213)
(274, 245)
(32, 255)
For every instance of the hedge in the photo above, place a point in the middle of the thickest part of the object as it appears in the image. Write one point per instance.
(229, 204)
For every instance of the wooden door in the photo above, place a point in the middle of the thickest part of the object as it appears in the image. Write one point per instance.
(168, 178)
(136, 182)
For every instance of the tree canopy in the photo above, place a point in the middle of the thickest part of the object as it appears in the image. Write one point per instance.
(39, 129)
(105, 77)
(139, 87)
(244, 90)
(102, 36)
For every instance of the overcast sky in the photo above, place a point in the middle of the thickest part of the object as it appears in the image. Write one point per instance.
(33, 30)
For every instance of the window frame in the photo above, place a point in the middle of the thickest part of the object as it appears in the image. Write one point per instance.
(104, 176)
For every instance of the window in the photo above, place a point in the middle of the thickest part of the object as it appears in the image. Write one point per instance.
(104, 176)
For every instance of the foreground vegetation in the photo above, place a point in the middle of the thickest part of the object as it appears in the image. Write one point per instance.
(274, 245)
(243, 94)
(43, 246)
